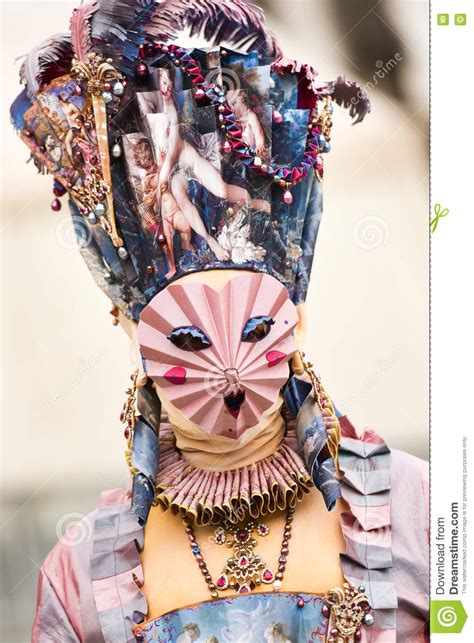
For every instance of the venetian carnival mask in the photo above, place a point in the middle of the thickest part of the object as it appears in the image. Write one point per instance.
(220, 357)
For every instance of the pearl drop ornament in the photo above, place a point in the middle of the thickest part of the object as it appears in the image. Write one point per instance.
(122, 252)
(107, 97)
(91, 217)
(116, 151)
(368, 619)
(287, 197)
(99, 210)
(118, 88)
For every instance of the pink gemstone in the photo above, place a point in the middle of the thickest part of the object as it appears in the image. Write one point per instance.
(56, 205)
(221, 582)
(176, 375)
(227, 148)
(199, 93)
(326, 611)
(243, 562)
(277, 117)
(267, 576)
(274, 357)
(242, 535)
(300, 603)
(244, 589)
(287, 197)
(358, 635)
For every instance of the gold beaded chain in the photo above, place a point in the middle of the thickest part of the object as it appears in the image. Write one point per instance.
(128, 418)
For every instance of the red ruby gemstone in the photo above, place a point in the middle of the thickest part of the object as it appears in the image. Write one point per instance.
(267, 575)
(242, 535)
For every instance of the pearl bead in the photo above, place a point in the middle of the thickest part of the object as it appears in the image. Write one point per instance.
(91, 217)
(99, 209)
(56, 205)
(107, 96)
(277, 117)
(287, 198)
(117, 151)
(257, 161)
(118, 89)
(277, 584)
(368, 619)
(122, 252)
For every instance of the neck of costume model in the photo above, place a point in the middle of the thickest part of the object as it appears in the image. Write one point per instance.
(219, 453)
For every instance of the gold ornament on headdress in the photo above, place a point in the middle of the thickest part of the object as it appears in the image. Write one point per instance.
(98, 73)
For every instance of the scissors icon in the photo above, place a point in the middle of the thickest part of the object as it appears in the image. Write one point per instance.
(439, 214)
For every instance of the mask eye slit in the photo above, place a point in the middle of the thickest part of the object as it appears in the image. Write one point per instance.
(257, 328)
(189, 338)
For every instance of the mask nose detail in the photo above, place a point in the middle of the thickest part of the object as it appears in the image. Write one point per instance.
(232, 376)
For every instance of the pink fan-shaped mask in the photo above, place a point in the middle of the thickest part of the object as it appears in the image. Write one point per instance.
(221, 357)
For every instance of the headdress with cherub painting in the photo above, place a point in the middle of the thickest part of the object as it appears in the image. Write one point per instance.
(178, 160)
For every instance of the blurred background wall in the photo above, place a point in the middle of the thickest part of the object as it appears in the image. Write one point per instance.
(65, 367)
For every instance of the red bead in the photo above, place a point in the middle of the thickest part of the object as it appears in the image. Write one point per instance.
(56, 205)
(58, 189)
(279, 575)
(358, 635)
(126, 434)
(334, 632)
(141, 70)
(326, 611)
(227, 147)
(300, 603)
(78, 90)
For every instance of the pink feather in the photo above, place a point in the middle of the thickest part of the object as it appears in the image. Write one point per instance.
(81, 28)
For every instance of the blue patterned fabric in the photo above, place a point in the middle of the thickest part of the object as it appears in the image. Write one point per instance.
(256, 618)
(312, 437)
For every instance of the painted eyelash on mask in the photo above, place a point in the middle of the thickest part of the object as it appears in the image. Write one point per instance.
(257, 328)
(189, 338)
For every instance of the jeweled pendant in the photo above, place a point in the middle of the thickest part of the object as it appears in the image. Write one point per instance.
(267, 576)
(222, 582)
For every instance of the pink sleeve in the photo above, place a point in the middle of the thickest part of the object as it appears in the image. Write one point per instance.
(52, 623)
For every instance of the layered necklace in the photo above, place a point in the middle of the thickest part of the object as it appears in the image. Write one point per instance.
(244, 570)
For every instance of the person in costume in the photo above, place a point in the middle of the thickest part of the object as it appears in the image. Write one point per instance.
(256, 512)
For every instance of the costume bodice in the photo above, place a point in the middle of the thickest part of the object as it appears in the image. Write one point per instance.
(256, 618)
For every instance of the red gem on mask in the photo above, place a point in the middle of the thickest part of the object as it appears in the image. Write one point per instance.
(176, 375)
(274, 357)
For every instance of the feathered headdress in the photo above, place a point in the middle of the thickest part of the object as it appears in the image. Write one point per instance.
(179, 160)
